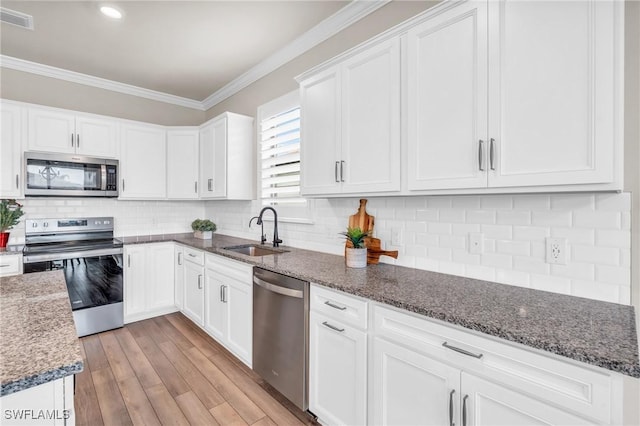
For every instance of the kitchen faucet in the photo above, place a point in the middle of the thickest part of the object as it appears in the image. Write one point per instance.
(263, 237)
(276, 240)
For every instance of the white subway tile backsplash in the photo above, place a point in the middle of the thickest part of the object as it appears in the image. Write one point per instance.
(596, 219)
(436, 230)
(596, 255)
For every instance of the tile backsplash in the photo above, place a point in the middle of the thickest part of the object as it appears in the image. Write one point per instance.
(131, 217)
(432, 233)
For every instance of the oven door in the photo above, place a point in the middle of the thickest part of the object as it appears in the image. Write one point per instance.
(94, 282)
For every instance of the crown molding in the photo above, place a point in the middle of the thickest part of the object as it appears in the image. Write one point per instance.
(351, 13)
(335, 23)
(102, 83)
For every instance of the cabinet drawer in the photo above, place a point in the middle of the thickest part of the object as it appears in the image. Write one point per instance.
(195, 256)
(340, 306)
(584, 390)
(10, 265)
(231, 268)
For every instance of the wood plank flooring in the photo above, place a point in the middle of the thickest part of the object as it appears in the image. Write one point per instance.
(167, 371)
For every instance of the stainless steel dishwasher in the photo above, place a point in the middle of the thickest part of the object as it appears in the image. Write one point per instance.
(280, 333)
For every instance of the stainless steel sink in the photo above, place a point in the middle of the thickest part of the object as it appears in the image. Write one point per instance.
(254, 250)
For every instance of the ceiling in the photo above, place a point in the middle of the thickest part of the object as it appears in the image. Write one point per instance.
(185, 48)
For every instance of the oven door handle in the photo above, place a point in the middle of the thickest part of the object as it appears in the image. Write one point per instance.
(33, 258)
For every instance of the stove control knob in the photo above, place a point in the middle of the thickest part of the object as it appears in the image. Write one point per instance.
(45, 224)
(34, 225)
(106, 222)
(98, 222)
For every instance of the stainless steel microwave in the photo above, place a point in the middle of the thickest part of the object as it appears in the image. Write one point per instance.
(68, 175)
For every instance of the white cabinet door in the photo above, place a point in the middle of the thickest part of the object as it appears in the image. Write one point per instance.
(215, 317)
(485, 403)
(193, 292)
(143, 162)
(11, 145)
(160, 273)
(320, 138)
(337, 371)
(552, 106)
(238, 298)
(213, 159)
(96, 137)
(447, 100)
(182, 164)
(51, 131)
(179, 277)
(370, 120)
(135, 291)
(410, 388)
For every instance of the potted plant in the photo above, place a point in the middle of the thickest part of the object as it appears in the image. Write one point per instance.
(10, 214)
(357, 254)
(203, 229)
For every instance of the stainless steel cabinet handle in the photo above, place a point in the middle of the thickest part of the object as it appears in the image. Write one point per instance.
(491, 151)
(335, 171)
(192, 255)
(72, 145)
(78, 140)
(179, 258)
(199, 282)
(195, 187)
(464, 410)
(480, 151)
(462, 351)
(4, 266)
(122, 185)
(224, 293)
(17, 181)
(333, 327)
(210, 184)
(333, 305)
(342, 171)
(451, 407)
(128, 261)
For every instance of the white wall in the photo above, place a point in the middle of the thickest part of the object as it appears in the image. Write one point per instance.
(132, 218)
(435, 236)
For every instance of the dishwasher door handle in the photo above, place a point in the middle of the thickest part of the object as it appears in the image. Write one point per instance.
(277, 289)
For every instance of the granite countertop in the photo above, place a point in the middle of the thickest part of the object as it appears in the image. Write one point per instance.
(38, 335)
(10, 250)
(597, 333)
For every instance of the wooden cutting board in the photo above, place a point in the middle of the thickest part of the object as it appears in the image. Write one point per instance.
(365, 221)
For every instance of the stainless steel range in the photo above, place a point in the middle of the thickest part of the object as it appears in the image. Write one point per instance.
(84, 248)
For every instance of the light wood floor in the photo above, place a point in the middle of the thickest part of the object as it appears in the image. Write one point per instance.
(167, 371)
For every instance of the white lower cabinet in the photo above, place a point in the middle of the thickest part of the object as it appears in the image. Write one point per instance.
(148, 281)
(48, 404)
(193, 302)
(229, 305)
(337, 358)
(178, 276)
(10, 264)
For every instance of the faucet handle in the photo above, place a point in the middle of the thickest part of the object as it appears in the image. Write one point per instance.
(277, 242)
(263, 238)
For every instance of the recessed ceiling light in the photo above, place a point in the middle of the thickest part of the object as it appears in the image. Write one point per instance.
(111, 12)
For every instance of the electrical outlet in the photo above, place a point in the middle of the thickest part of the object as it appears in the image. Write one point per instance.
(556, 251)
(476, 242)
(396, 237)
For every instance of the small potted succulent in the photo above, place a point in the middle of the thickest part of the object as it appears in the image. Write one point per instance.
(356, 255)
(203, 229)
(10, 214)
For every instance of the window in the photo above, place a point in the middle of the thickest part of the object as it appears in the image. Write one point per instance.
(279, 158)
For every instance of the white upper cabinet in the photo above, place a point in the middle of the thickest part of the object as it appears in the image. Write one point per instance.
(53, 130)
(499, 95)
(11, 144)
(182, 163)
(552, 102)
(447, 100)
(351, 124)
(227, 158)
(143, 162)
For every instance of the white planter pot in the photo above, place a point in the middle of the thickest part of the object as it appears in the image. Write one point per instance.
(203, 235)
(356, 258)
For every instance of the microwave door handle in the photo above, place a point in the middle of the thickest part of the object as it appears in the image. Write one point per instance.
(103, 180)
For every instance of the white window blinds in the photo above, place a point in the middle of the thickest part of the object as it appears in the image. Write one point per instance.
(280, 163)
